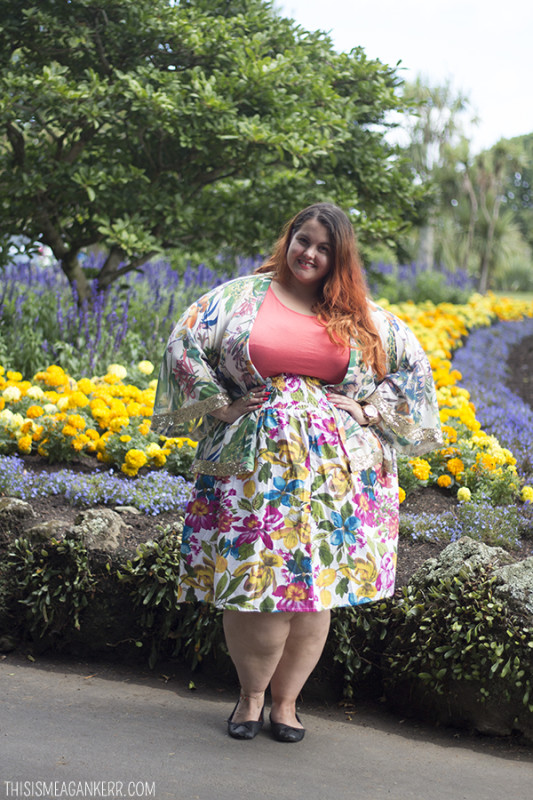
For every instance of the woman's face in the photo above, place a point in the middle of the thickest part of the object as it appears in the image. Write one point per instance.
(310, 254)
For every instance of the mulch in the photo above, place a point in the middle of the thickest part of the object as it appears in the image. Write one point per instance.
(411, 554)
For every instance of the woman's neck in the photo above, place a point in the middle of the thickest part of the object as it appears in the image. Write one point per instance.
(298, 298)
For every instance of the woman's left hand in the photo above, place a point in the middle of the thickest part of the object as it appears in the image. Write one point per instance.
(347, 404)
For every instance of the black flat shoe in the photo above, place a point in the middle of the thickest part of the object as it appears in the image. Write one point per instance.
(285, 733)
(244, 730)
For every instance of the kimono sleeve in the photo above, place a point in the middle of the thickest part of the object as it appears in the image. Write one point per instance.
(188, 388)
(406, 398)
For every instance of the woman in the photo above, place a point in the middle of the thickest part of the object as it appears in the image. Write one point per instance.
(299, 390)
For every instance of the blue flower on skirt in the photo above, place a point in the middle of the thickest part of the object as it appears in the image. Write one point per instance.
(285, 491)
(345, 531)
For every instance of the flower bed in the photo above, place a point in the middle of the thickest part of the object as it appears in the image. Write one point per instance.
(107, 417)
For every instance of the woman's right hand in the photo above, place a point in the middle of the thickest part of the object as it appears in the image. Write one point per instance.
(244, 405)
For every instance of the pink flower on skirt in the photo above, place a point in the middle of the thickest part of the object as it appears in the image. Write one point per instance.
(294, 597)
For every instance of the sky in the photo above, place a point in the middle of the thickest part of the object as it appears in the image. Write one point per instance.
(482, 47)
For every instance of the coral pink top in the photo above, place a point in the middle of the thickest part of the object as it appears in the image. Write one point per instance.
(286, 341)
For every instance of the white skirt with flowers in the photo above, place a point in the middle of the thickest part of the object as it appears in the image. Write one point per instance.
(302, 532)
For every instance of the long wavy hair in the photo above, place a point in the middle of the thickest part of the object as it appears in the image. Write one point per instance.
(343, 306)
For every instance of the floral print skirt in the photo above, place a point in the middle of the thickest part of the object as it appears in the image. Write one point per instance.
(299, 533)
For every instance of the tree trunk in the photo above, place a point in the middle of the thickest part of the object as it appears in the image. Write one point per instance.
(426, 246)
(474, 209)
(110, 270)
(487, 252)
(76, 276)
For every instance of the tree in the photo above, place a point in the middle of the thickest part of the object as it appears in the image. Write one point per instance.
(144, 125)
(485, 230)
(435, 129)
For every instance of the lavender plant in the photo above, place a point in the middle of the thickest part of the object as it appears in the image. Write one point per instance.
(42, 321)
(402, 282)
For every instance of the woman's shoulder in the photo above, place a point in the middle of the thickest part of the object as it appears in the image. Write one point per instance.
(383, 316)
(236, 287)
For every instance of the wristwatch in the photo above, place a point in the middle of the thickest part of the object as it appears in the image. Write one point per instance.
(370, 413)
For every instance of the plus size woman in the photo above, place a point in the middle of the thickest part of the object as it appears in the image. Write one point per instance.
(300, 391)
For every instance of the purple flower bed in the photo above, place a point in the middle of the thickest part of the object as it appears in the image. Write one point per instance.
(483, 365)
(154, 493)
(502, 414)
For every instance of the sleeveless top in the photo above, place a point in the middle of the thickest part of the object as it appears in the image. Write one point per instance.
(284, 341)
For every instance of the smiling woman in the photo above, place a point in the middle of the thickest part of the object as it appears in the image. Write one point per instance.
(299, 391)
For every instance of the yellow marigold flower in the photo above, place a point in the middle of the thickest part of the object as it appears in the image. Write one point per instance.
(421, 468)
(85, 385)
(160, 459)
(62, 403)
(34, 411)
(12, 394)
(144, 427)
(24, 444)
(37, 433)
(135, 458)
(125, 438)
(152, 450)
(401, 494)
(69, 430)
(133, 409)
(77, 421)
(117, 370)
(92, 434)
(55, 376)
(455, 466)
(78, 400)
(527, 494)
(444, 480)
(130, 471)
(79, 442)
(146, 367)
(42, 450)
(153, 384)
(450, 433)
(35, 393)
(2, 403)
(17, 421)
(13, 376)
(116, 423)
(464, 494)
(27, 426)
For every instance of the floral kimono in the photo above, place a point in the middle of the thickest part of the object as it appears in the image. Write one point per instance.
(295, 507)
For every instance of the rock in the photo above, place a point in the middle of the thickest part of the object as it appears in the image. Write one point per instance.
(126, 510)
(489, 702)
(515, 587)
(44, 531)
(452, 561)
(13, 514)
(100, 529)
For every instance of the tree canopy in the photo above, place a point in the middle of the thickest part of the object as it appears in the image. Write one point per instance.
(143, 125)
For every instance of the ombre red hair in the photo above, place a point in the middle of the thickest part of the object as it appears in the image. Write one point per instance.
(343, 306)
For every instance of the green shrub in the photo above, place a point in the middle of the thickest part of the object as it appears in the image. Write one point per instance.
(193, 630)
(454, 630)
(54, 583)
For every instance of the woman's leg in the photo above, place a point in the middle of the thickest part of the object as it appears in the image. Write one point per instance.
(281, 649)
(255, 642)
(303, 648)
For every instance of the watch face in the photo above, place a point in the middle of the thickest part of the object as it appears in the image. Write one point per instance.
(370, 413)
